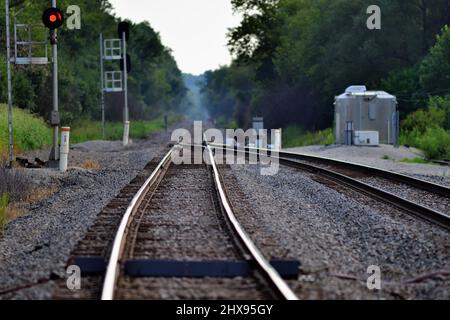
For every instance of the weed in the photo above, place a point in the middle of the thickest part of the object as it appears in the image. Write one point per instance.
(415, 160)
(15, 183)
(90, 165)
(4, 201)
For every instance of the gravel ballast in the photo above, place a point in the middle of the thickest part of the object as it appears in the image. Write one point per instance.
(375, 156)
(35, 247)
(337, 234)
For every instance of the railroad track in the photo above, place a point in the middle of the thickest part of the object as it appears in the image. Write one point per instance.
(179, 238)
(167, 246)
(352, 175)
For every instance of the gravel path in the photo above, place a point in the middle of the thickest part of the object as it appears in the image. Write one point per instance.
(35, 247)
(337, 235)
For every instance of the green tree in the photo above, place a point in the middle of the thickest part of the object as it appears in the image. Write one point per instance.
(155, 83)
(435, 69)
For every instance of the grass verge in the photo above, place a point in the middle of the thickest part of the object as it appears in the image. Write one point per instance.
(295, 136)
(31, 132)
(416, 161)
(92, 130)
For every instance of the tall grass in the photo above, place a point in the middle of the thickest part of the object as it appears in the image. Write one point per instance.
(295, 136)
(29, 131)
(4, 201)
(15, 183)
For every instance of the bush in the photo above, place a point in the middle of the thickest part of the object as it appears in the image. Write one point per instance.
(427, 129)
(442, 103)
(435, 143)
(422, 119)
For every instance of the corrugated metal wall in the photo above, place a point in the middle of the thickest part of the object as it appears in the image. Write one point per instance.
(367, 114)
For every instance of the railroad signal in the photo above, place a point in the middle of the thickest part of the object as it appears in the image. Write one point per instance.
(124, 27)
(53, 18)
(128, 64)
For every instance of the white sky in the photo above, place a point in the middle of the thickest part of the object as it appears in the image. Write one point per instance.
(194, 29)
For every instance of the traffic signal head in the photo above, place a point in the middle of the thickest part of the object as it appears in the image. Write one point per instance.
(128, 64)
(53, 18)
(124, 27)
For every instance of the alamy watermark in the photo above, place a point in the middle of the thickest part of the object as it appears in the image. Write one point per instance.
(374, 280)
(74, 19)
(74, 278)
(374, 20)
(235, 140)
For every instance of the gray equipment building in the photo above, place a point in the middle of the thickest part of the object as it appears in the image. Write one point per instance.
(372, 115)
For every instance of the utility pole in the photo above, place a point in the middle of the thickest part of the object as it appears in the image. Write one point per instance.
(8, 63)
(55, 114)
(103, 86)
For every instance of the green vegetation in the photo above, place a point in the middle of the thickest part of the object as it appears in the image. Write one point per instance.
(386, 157)
(294, 136)
(155, 82)
(29, 131)
(428, 129)
(4, 201)
(92, 130)
(292, 57)
(415, 160)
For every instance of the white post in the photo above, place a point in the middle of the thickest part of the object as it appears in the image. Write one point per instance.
(278, 139)
(8, 63)
(103, 86)
(64, 150)
(126, 133)
(126, 129)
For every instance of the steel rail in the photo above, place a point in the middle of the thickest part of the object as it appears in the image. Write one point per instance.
(269, 273)
(391, 175)
(432, 187)
(413, 208)
(410, 207)
(112, 270)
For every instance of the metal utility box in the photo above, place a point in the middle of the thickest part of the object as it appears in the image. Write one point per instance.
(359, 110)
(258, 123)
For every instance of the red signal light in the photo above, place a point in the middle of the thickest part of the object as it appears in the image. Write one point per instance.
(53, 18)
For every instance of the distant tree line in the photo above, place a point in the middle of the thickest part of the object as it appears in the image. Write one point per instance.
(292, 57)
(155, 83)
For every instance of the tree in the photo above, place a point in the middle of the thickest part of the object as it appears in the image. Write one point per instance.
(155, 84)
(435, 69)
(304, 52)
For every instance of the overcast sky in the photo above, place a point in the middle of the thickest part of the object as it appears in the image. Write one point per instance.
(194, 29)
